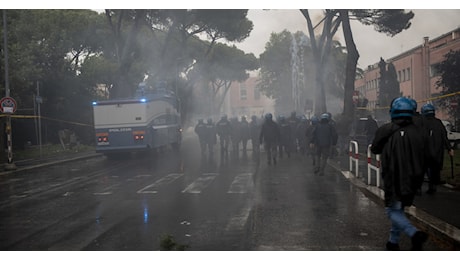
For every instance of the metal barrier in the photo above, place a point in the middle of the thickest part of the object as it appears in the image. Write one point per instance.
(371, 167)
(354, 157)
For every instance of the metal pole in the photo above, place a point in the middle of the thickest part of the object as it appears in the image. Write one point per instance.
(10, 165)
(39, 101)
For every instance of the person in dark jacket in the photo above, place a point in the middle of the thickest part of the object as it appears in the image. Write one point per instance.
(211, 138)
(254, 129)
(224, 129)
(286, 143)
(235, 137)
(301, 135)
(402, 145)
(370, 128)
(245, 134)
(293, 120)
(324, 137)
(270, 137)
(417, 118)
(437, 143)
(200, 130)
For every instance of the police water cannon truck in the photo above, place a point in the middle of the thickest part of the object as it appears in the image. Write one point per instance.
(149, 121)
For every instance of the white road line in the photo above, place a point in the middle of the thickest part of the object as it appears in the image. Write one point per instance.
(152, 188)
(238, 221)
(242, 184)
(108, 190)
(199, 184)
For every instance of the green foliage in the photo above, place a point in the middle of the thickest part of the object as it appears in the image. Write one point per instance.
(277, 72)
(389, 84)
(388, 21)
(449, 81)
(168, 243)
(69, 53)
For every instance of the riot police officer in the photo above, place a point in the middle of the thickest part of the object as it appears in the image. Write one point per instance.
(224, 130)
(254, 129)
(270, 136)
(200, 130)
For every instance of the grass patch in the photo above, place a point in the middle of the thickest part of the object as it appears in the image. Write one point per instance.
(168, 243)
(446, 173)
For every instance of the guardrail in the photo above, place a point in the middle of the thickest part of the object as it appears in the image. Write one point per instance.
(373, 163)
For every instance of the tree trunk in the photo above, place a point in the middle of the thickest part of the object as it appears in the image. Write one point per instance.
(352, 61)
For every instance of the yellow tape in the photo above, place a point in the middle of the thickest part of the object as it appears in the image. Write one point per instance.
(425, 100)
(46, 118)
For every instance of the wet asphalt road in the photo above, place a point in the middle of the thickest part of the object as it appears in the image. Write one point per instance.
(133, 203)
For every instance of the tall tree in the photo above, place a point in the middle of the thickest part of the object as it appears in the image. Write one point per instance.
(388, 21)
(449, 82)
(276, 73)
(388, 84)
(321, 47)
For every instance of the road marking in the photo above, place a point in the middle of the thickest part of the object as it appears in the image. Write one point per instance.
(238, 222)
(152, 188)
(108, 190)
(199, 184)
(242, 184)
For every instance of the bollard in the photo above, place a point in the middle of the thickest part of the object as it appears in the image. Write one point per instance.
(354, 156)
(371, 167)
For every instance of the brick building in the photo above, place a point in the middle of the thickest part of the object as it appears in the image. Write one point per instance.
(415, 71)
(245, 99)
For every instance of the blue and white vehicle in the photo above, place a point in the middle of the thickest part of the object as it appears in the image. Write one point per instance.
(149, 121)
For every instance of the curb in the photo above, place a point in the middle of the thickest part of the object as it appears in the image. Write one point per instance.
(448, 234)
(19, 169)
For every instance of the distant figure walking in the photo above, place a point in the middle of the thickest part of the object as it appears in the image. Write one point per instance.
(324, 136)
(224, 130)
(437, 143)
(370, 128)
(254, 129)
(200, 130)
(270, 137)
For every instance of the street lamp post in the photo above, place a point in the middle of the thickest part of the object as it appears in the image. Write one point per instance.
(10, 164)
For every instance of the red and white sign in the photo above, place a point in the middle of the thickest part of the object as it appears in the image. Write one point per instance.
(8, 105)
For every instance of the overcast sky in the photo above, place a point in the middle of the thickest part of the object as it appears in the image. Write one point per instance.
(431, 19)
(371, 44)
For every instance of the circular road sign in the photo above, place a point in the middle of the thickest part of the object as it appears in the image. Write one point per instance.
(8, 105)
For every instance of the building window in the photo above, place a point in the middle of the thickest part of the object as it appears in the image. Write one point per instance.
(433, 71)
(256, 94)
(408, 74)
(243, 92)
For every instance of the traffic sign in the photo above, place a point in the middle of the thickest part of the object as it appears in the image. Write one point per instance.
(8, 105)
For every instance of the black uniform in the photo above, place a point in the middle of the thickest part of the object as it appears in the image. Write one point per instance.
(437, 143)
(200, 130)
(270, 136)
(245, 134)
(254, 131)
(286, 137)
(211, 138)
(324, 137)
(402, 147)
(224, 130)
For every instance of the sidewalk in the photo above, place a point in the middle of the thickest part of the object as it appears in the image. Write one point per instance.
(439, 214)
